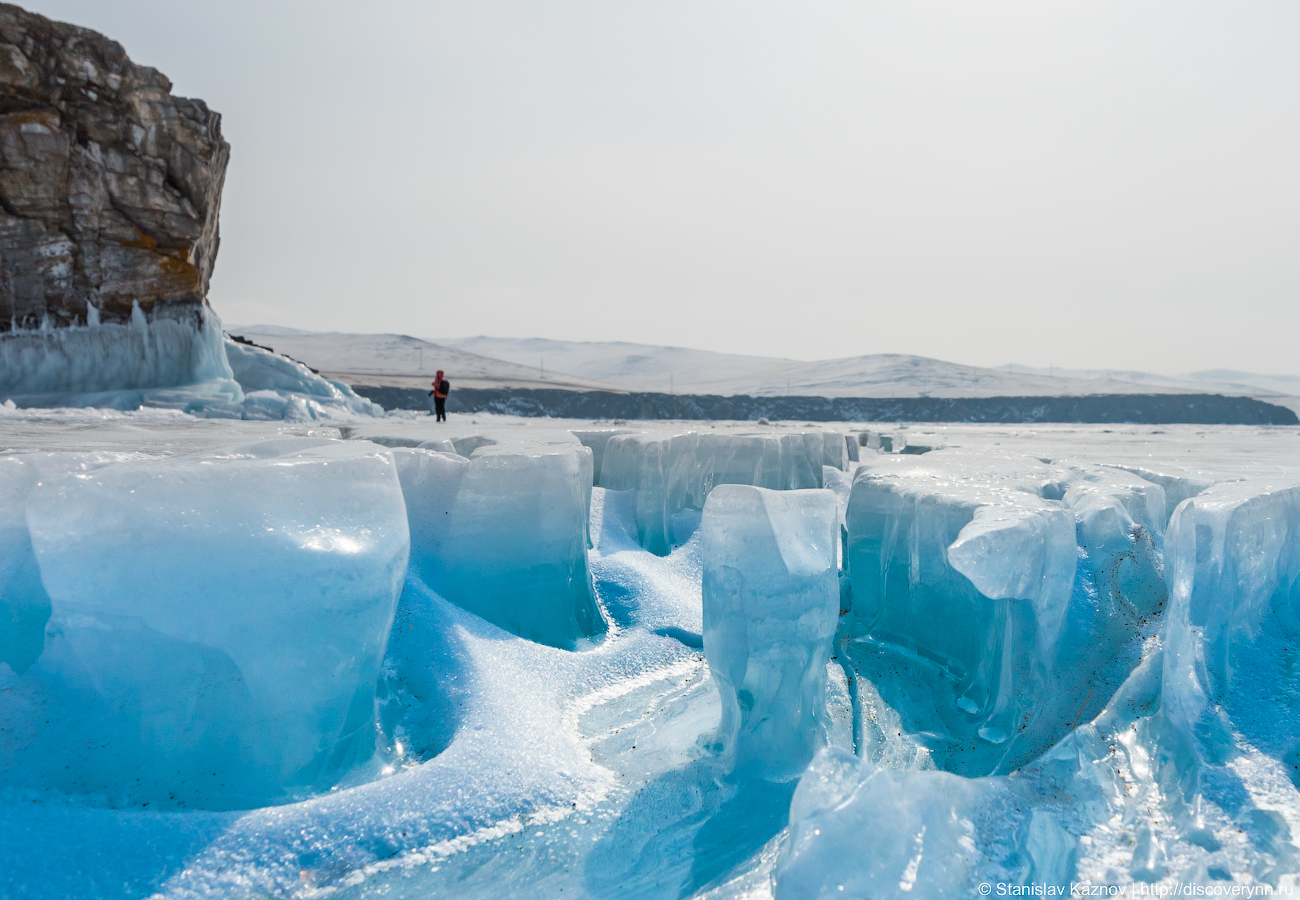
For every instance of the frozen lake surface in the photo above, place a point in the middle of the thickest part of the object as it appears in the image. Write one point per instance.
(391, 658)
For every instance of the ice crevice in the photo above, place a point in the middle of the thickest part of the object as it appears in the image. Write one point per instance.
(503, 532)
(1181, 777)
(673, 473)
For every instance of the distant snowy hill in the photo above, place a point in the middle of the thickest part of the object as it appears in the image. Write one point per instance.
(267, 329)
(1282, 384)
(1214, 381)
(403, 361)
(398, 360)
(652, 368)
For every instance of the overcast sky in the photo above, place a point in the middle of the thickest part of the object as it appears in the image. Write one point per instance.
(1085, 184)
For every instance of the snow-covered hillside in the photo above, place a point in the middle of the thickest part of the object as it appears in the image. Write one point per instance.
(1215, 381)
(645, 367)
(478, 362)
(398, 360)
(1283, 384)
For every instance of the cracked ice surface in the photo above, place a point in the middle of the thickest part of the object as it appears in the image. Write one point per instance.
(1064, 654)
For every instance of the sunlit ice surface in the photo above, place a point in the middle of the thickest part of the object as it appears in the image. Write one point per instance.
(1064, 655)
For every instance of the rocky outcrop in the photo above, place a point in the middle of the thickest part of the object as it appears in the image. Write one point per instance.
(109, 185)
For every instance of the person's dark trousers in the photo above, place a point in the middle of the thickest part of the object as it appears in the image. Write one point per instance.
(440, 407)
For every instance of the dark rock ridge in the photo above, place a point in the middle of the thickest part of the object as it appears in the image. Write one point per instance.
(1138, 409)
(109, 185)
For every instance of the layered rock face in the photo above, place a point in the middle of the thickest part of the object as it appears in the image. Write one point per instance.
(109, 188)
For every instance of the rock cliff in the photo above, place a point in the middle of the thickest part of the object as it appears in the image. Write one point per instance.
(109, 185)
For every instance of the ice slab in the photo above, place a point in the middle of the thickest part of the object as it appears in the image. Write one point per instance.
(217, 624)
(1234, 621)
(835, 450)
(857, 830)
(1185, 779)
(676, 472)
(771, 604)
(862, 830)
(597, 440)
(940, 550)
(504, 534)
(1177, 483)
(439, 445)
(998, 596)
(24, 604)
(1120, 529)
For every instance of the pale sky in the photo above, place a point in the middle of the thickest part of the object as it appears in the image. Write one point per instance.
(1086, 184)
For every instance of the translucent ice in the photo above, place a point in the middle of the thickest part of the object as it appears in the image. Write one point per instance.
(1233, 627)
(597, 440)
(771, 604)
(1160, 746)
(835, 451)
(961, 562)
(1178, 483)
(861, 831)
(1120, 529)
(218, 622)
(504, 534)
(1186, 778)
(171, 364)
(999, 597)
(65, 362)
(24, 605)
(672, 473)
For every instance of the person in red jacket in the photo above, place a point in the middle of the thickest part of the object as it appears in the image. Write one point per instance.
(441, 387)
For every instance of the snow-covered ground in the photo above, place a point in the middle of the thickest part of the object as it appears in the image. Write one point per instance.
(1064, 654)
